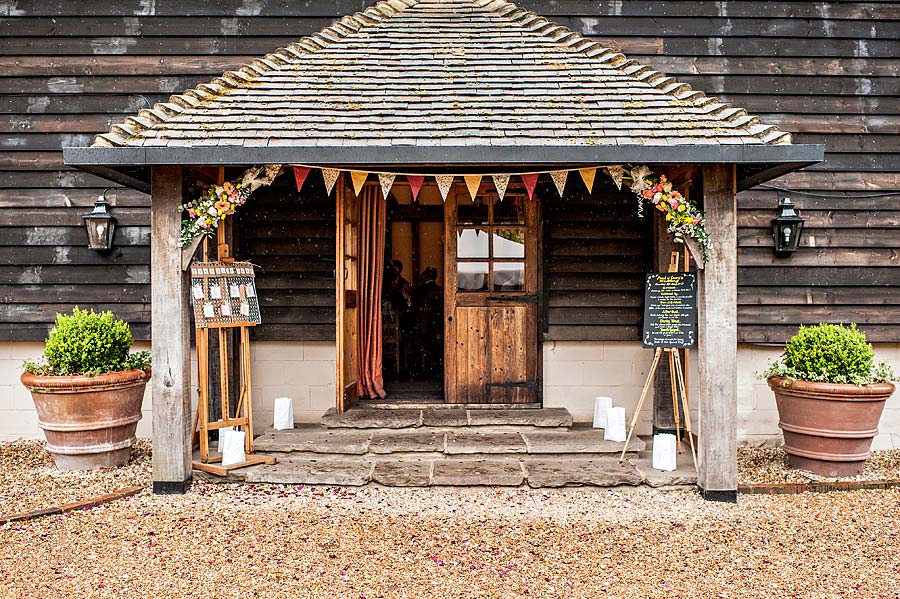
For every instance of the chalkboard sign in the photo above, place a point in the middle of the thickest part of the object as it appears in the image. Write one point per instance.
(670, 310)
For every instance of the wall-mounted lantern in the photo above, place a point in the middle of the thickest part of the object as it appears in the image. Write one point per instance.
(786, 229)
(100, 225)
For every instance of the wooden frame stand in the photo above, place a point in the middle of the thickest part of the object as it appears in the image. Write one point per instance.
(678, 390)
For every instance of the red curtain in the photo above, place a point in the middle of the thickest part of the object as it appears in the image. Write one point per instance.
(372, 226)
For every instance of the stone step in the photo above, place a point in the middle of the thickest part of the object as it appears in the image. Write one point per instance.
(400, 418)
(539, 471)
(432, 441)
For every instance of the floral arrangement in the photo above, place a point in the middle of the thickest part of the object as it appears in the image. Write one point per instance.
(686, 221)
(220, 201)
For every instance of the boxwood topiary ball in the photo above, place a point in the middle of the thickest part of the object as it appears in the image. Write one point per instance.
(830, 353)
(87, 342)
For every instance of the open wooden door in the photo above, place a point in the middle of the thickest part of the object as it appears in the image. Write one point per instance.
(492, 299)
(347, 287)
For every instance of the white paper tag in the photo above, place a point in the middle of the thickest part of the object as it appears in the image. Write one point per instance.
(615, 425)
(251, 290)
(226, 309)
(245, 309)
(209, 311)
(215, 292)
(234, 291)
(197, 290)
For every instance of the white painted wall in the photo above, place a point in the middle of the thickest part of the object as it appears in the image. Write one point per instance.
(574, 373)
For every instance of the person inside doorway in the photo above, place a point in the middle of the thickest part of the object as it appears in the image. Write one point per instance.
(428, 304)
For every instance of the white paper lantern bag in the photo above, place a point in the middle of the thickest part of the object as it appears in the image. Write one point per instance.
(601, 404)
(664, 452)
(222, 433)
(615, 425)
(233, 448)
(284, 413)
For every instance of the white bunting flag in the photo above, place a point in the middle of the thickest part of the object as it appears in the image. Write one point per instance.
(559, 179)
(387, 181)
(359, 179)
(473, 182)
(588, 175)
(500, 182)
(444, 182)
(330, 175)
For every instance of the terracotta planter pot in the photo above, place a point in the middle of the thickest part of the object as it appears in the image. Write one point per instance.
(89, 422)
(828, 428)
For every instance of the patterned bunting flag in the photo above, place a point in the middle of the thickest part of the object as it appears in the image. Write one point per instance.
(300, 173)
(387, 181)
(559, 179)
(330, 175)
(530, 181)
(359, 179)
(415, 184)
(444, 182)
(617, 172)
(500, 182)
(473, 182)
(588, 175)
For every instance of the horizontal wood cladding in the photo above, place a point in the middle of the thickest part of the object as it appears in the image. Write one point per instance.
(826, 71)
(595, 254)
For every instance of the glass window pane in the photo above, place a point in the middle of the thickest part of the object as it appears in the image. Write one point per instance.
(472, 243)
(471, 212)
(509, 276)
(509, 243)
(472, 276)
(510, 211)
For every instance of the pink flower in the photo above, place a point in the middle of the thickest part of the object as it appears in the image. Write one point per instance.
(648, 194)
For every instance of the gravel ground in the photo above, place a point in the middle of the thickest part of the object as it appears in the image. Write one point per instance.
(229, 541)
(769, 465)
(28, 479)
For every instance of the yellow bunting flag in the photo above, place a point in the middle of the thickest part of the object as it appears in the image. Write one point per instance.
(330, 175)
(587, 175)
(500, 182)
(387, 181)
(359, 179)
(473, 182)
(444, 182)
(559, 179)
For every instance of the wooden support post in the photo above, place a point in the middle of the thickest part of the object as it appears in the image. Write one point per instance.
(717, 339)
(171, 381)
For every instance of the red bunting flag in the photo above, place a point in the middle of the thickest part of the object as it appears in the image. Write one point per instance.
(415, 184)
(300, 173)
(530, 181)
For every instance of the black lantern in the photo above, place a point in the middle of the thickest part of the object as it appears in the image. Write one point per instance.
(786, 229)
(100, 225)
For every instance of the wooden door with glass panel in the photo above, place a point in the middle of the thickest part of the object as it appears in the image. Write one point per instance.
(491, 298)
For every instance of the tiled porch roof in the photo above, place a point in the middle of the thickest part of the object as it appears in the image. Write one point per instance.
(436, 73)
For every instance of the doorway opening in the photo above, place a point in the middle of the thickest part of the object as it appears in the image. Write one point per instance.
(413, 297)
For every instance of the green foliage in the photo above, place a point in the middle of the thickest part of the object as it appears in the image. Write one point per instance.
(830, 353)
(89, 343)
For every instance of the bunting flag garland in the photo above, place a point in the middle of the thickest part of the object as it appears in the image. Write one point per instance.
(359, 179)
(473, 182)
(559, 179)
(444, 182)
(387, 181)
(588, 175)
(415, 184)
(530, 181)
(300, 174)
(330, 175)
(616, 173)
(500, 182)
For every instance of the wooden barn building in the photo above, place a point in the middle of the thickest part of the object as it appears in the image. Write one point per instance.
(536, 287)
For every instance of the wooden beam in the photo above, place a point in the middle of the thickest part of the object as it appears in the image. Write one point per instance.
(717, 339)
(171, 381)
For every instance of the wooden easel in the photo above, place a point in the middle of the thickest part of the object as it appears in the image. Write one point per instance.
(243, 415)
(679, 388)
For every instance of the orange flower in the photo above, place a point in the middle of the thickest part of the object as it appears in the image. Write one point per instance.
(222, 205)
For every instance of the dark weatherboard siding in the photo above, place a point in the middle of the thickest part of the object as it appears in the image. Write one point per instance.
(826, 71)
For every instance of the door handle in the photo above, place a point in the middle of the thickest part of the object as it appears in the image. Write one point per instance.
(449, 319)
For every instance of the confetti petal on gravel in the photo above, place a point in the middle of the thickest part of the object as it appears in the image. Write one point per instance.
(276, 541)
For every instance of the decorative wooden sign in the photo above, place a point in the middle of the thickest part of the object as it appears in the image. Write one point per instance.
(670, 310)
(224, 295)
